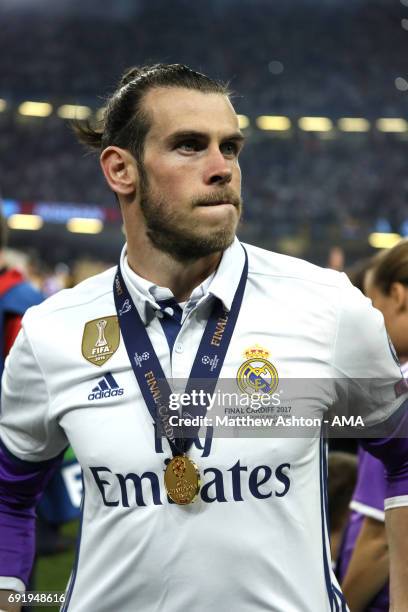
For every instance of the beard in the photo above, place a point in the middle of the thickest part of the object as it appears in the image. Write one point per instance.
(169, 231)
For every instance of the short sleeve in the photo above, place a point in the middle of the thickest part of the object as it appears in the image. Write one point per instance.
(371, 490)
(25, 427)
(364, 361)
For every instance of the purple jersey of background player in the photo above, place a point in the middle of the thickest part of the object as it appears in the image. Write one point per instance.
(368, 500)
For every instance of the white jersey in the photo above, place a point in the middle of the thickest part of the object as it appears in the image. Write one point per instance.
(256, 538)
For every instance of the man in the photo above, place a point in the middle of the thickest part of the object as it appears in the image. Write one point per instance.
(187, 300)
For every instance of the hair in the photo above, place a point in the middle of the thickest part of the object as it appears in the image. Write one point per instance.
(357, 271)
(391, 267)
(125, 123)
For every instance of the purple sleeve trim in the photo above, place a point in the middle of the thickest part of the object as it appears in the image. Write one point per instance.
(370, 487)
(393, 452)
(21, 486)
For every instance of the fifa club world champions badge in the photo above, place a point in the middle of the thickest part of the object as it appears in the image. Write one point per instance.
(257, 374)
(100, 339)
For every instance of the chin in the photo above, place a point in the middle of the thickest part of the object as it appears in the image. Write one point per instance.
(216, 241)
(225, 222)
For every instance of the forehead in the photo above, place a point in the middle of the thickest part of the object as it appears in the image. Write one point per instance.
(174, 109)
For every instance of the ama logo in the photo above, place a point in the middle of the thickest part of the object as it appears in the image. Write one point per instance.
(106, 387)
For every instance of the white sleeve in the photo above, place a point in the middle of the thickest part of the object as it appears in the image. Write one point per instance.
(25, 427)
(364, 359)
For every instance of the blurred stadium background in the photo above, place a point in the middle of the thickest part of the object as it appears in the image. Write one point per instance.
(322, 93)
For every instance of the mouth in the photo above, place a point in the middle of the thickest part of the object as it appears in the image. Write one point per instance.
(219, 203)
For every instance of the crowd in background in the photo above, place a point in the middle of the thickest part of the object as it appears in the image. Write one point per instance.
(290, 184)
(333, 59)
(51, 279)
(316, 59)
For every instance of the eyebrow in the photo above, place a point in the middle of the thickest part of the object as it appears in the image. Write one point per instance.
(176, 136)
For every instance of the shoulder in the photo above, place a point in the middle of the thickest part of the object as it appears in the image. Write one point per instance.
(54, 332)
(277, 266)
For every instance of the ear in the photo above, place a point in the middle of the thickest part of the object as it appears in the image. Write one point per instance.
(399, 296)
(120, 170)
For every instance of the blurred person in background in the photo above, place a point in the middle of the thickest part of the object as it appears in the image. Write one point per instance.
(363, 565)
(85, 369)
(85, 268)
(342, 475)
(336, 258)
(16, 295)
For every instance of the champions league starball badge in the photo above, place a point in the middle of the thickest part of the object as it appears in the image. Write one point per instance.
(100, 339)
(257, 374)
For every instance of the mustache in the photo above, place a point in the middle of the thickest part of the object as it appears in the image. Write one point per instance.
(218, 198)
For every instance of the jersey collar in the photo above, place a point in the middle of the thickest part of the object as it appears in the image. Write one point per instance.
(222, 284)
(228, 274)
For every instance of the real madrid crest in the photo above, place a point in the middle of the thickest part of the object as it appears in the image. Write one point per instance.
(100, 339)
(257, 374)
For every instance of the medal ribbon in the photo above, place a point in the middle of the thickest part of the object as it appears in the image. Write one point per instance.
(146, 366)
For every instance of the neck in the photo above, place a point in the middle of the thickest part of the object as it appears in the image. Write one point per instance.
(162, 269)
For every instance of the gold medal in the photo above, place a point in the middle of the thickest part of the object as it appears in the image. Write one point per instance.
(182, 480)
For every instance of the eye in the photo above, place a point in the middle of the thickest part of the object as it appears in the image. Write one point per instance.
(229, 148)
(189, 146)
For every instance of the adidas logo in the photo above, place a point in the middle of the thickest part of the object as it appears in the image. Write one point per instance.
(106, 387)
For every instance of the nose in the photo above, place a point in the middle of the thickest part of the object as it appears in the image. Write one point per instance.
(218, 169)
